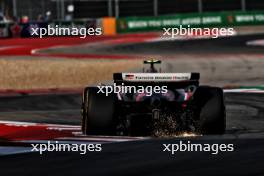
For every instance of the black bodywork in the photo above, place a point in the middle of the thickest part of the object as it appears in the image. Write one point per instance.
(184, 107)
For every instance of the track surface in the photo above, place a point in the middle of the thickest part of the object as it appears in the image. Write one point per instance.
(245, 127)
(222, 61)
(226, 45)
(33, 46)
(245, 111)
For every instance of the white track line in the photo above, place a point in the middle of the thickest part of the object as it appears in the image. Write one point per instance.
(10, 150)
(19, 123)
(256, 42)
(243, 91)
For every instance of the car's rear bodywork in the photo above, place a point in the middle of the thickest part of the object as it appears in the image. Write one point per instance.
(150, 103)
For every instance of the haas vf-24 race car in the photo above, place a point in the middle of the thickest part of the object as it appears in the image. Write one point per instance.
(184, 106)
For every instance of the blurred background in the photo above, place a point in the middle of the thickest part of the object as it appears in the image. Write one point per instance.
(131, 29)
(79, 9)
(78, 12)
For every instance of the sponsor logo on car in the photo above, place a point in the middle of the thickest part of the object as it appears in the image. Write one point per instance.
(129, 76)
(157, 76)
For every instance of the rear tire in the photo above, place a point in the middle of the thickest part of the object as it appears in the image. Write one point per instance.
(98, 112)
(211, 110)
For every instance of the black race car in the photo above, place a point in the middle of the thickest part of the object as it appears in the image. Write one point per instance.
(153, 103)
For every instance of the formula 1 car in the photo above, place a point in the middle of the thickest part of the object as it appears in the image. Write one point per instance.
(176, 104)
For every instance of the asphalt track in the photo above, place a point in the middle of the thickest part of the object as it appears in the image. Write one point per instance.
(245, 129)
(171, 48)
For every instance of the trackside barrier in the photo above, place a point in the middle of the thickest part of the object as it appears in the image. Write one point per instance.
(85, 23)
(108, 25)
(113, 26)
(25, 29)
(220, 19)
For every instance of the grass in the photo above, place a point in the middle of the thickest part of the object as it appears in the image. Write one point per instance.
(33, 73)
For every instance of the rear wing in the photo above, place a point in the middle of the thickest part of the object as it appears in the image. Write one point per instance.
(156, 77)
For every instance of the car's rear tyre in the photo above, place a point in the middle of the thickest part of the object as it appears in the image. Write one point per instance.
(211, 110)
(97, 112)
